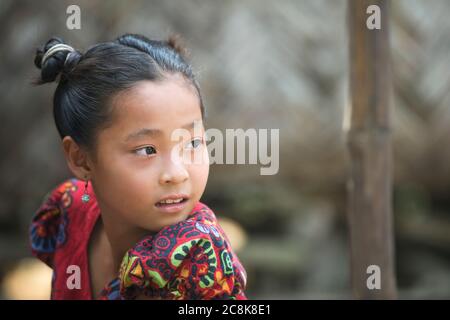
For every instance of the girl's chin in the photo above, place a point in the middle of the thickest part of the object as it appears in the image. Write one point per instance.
(166, 220)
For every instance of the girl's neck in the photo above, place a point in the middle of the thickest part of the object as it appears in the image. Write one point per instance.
(121, 236)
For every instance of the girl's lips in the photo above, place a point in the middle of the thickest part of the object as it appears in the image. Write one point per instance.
(171, 207)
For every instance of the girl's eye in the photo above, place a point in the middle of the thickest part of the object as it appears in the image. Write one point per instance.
(193, 144)
(146, 151)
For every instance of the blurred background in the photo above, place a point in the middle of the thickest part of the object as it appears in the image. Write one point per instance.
(261, 64)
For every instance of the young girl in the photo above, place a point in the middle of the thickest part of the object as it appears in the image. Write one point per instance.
(130, 224)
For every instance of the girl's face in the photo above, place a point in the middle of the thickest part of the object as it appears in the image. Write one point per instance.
(138, 163)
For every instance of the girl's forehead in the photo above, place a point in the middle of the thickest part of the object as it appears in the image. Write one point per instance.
(164, 105)
(154, 96)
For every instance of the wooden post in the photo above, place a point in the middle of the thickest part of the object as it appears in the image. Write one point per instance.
(369, 143)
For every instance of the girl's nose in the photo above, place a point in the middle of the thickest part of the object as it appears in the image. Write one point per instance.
(174, 172)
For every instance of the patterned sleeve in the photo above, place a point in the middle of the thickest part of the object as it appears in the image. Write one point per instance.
(189, 260)
(47, 227)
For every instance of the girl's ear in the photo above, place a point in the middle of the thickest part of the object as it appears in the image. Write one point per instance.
(77, 159)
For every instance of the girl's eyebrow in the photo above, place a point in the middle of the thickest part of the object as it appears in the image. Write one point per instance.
(142, 133)
(155, 132)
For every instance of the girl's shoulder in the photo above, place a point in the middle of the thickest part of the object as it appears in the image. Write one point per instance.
(192, 259)
(47, 231)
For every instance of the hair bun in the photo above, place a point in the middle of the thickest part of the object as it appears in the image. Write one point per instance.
(52, 62)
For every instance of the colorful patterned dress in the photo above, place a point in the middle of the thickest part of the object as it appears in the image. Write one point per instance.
(188, 260)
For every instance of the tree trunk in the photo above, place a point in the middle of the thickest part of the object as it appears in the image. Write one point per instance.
(369, 143)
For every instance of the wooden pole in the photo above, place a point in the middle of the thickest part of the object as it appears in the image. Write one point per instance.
(369, 144)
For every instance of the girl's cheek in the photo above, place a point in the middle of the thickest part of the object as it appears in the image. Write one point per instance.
(201, 173)
(206, 157)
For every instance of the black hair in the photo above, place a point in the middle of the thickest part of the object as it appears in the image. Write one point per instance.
(87, 82)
